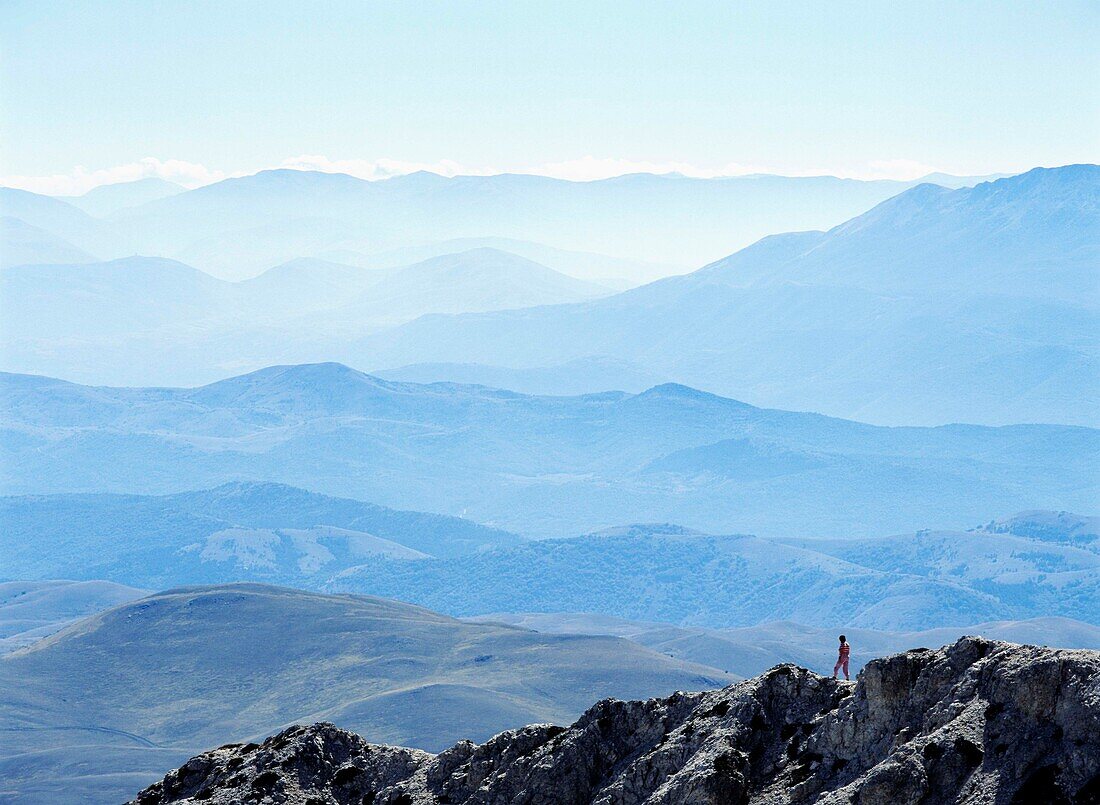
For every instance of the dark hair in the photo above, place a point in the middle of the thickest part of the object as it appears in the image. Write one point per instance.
(842, 638)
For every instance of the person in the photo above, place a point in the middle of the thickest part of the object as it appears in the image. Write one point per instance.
(842, 657)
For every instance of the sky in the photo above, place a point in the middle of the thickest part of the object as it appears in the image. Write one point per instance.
(112, 90)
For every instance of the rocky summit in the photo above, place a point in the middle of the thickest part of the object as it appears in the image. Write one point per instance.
(979, 721)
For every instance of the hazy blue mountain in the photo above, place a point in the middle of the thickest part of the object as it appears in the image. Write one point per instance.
(656, 573)
(952, 181)
(547, 466)
(63, 221)
(119, 697)
(241, 254)
(627, 227)
(148, 319)
(977, 304)
(471, 281)
(31, 610)
(145, 305)
(306, 285)
(236, 532)
(751, 650)
(613, 272)
(110, 198)
(1031, 577)
(974, 305)
(138, 297)
(639, 217)
(572, 378)
(23, 243)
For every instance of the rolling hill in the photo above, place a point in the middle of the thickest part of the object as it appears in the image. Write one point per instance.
(613, 272)
(61, 221)
(667, 574)
(254, 532)
(107, 199)
(31, 610)
(23, 243)
(93, 305)
(113, 700)
(475, 280)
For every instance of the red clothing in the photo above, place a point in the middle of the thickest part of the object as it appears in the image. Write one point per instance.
(842, 660)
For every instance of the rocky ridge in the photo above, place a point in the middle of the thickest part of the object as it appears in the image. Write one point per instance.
(979, 721)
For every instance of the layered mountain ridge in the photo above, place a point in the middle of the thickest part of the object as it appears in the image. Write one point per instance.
(536, 465)
(976, 304)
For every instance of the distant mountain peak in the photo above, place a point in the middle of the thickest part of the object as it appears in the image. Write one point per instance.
(236, 488)
(144, 182)
(680, 392)
(315, 386)
(325, 372)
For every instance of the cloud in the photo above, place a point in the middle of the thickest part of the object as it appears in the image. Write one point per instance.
(81, 180)
(583, 169)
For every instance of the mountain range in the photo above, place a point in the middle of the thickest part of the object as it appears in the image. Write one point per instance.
(237, 227)
(62, 222)
(107, 199)
(1031, 565)
(539, 466)
(977, 304)
(105, 705)
(671, 575)
(971, 305)
(124, 318)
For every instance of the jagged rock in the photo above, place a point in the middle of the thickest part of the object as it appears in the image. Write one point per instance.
(976, 722)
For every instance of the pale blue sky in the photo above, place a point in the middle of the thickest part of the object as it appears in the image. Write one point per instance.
(854, 89)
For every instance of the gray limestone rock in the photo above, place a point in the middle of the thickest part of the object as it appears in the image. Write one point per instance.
(975, 722)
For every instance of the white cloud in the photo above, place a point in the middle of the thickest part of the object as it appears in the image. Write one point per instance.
(81, 180)
(587, 168)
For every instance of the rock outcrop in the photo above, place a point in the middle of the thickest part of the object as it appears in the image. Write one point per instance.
(976, 722)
